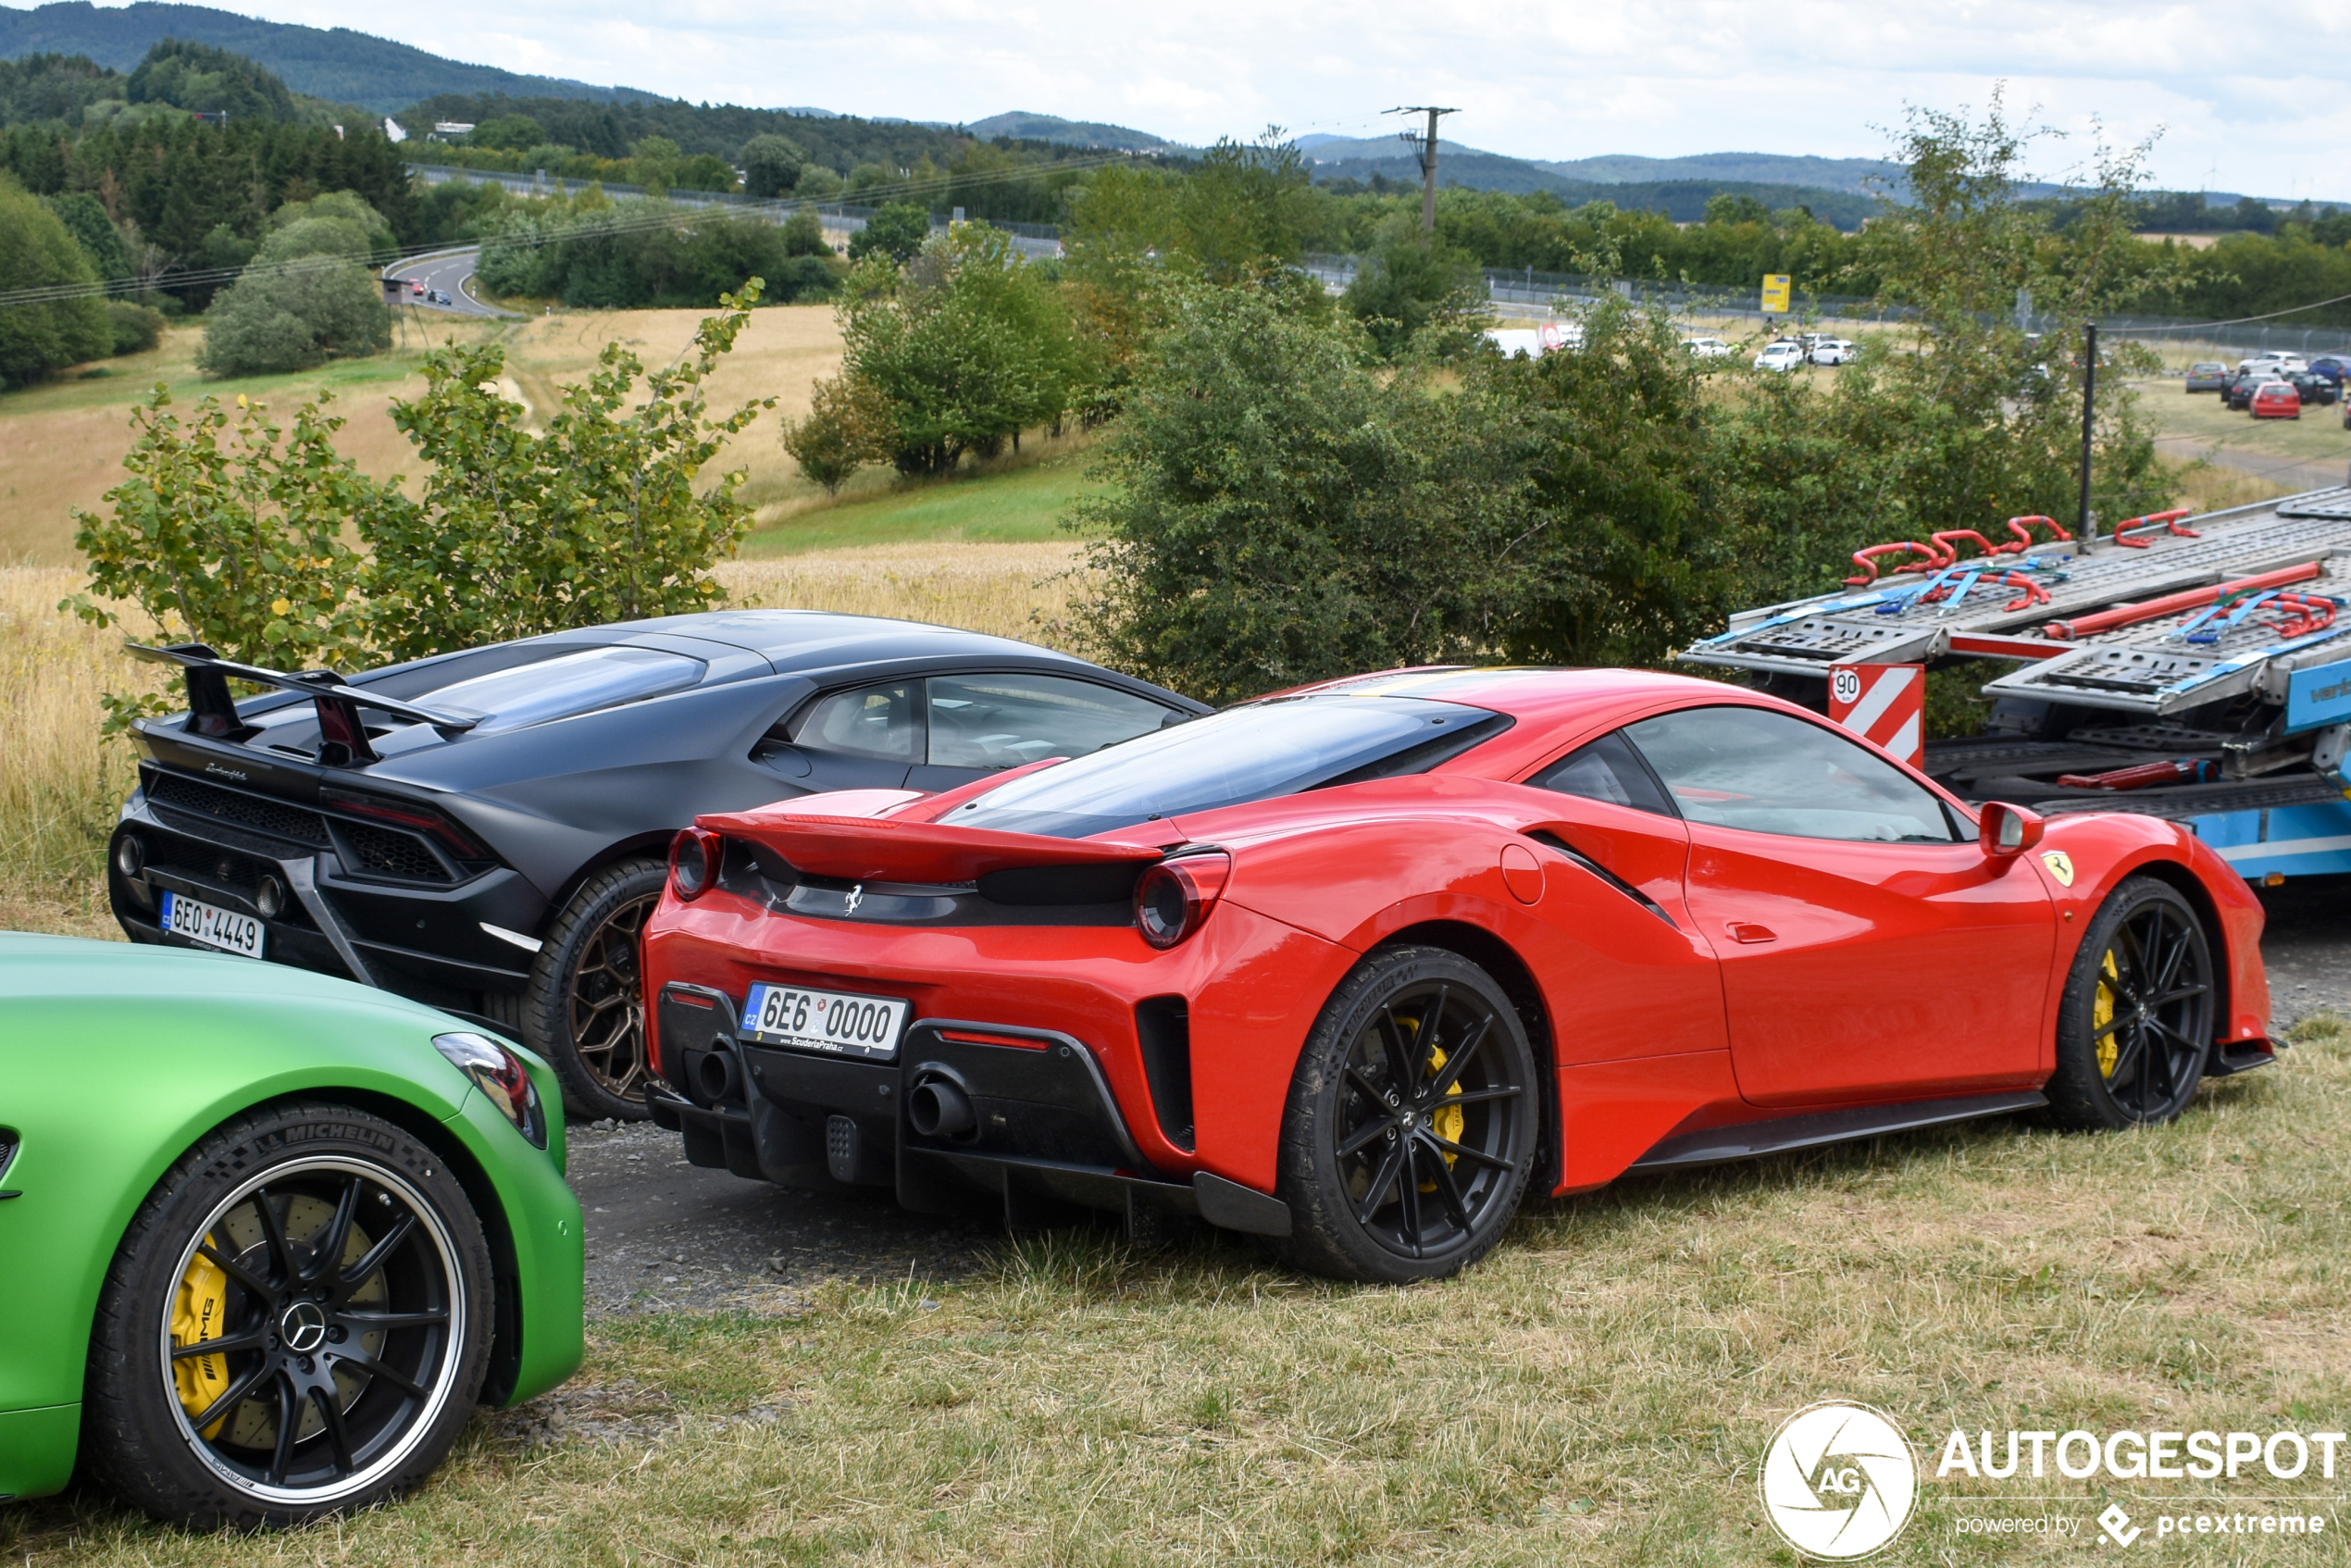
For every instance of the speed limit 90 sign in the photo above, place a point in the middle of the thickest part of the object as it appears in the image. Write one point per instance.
(1883, 702)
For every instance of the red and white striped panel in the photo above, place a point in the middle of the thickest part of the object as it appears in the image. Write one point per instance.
(1885, 703)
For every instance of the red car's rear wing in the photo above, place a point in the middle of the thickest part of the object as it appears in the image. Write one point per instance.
(881, 849)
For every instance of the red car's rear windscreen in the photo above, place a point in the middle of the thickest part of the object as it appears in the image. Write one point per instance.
(1252, 753)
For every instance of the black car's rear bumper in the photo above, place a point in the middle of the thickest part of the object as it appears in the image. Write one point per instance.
(429, 942)
(1047, 1135)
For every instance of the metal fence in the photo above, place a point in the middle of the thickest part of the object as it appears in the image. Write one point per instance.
(1029, 239)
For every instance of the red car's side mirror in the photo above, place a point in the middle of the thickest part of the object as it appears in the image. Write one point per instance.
(2005, 831)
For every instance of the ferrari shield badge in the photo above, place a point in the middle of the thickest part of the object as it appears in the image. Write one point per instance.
(2060, 867)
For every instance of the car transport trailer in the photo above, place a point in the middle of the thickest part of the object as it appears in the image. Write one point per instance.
(2197, 668)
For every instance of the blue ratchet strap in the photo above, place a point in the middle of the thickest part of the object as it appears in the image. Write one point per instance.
(2231, 615)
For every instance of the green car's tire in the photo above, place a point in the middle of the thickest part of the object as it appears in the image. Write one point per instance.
(340, 1271)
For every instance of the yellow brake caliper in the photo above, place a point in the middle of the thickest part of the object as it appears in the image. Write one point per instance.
(1446, 1121)
(199, 1308)
(2102, 1014)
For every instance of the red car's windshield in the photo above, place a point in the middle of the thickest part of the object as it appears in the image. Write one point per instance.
(1252, 753)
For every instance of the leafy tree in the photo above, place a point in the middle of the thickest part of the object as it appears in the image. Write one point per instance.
(771, 165)
(302, 300)
(36, 251)
(897, 231)
(844, 430)
(1247, 207)
(235, 532)
(94, 231)
(966, 347)
(514, 132)
(803, 235)
(1405, 288)
(210, 81)
(617, 256)
(596, 520)
(228, 531)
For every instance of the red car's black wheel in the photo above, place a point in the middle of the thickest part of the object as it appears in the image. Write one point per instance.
(1412, 1121)
(2136, 1024)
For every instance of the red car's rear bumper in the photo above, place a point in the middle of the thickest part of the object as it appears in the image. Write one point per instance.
(1097, 1064)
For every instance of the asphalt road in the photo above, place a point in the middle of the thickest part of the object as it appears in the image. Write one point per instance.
(664, 1234)
(447, 274)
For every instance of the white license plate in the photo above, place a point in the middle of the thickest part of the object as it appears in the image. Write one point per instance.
(850, 1025)
(212, 926)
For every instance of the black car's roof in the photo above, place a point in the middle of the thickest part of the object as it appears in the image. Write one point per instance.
(808, 640)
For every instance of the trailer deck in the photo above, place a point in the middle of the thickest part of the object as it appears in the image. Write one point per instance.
(2218, 645)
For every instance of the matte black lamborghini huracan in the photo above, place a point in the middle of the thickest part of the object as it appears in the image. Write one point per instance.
(485, 831)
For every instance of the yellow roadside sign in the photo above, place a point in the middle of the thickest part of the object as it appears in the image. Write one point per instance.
(1776, 293)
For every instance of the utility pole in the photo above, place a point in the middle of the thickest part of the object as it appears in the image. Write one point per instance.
(2089, 425)
(1426, 152)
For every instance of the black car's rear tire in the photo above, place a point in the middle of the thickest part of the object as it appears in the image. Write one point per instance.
(341, 1273)
(2136, 1022)
(585, 1010)
(1412, 1121)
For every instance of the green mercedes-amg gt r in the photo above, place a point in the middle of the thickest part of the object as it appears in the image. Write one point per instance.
(270, 1236)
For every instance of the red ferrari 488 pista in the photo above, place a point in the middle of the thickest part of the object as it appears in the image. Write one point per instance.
(1350, 966)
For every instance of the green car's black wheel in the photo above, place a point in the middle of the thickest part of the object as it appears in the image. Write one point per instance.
(585, 1010)
(2135, 1025)
(296, 1323)
(1411, 1124)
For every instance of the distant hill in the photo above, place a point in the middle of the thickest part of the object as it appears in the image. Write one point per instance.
(1022, 125)
(341, 65)
(1857, 177)
(1683, 199)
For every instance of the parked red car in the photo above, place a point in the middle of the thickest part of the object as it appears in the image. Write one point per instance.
(2276, 399)
(1351, 967)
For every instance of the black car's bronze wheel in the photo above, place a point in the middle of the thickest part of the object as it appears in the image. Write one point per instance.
(1411, 1124)
(584, 1011)
(2135, 1025)
(296, 1323)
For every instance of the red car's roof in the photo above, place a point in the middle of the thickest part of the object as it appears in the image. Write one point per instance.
(1529, 692)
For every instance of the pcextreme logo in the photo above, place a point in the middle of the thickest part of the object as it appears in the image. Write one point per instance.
(1838, 1481)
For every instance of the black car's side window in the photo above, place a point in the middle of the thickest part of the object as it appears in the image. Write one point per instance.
(873, 721)
(1771, 773)
(1606, 770)
(993, 721)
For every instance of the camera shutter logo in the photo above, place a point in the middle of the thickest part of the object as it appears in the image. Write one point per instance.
(1839, 1480)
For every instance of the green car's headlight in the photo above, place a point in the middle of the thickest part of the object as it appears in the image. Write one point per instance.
(502, 1079)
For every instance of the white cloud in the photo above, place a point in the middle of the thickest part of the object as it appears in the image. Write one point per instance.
(2240, 94)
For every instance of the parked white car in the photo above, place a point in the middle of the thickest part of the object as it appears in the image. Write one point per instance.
(1834, 350)
(1535, 342)
(1709, 348)
(1782, 356)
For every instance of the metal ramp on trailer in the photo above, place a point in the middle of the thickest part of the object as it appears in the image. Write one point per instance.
(2218, 645)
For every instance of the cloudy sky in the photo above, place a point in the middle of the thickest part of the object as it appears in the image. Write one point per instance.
(2247, 96)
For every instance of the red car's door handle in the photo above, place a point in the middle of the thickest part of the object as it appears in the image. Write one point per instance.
(1747, 931)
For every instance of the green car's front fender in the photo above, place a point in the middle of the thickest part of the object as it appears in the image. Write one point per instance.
(115, 1060)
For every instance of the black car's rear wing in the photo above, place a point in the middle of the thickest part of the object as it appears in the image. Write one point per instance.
(342, 738)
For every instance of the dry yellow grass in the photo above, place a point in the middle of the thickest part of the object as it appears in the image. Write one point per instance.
(61, 445)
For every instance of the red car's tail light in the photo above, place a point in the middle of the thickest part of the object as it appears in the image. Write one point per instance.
(1173, 897)
(693, 862)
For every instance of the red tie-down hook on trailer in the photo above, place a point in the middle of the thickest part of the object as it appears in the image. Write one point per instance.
(1928, 559)
(2168, 521)
(1943, 552)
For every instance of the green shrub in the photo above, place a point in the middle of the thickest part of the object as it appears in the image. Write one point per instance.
(276, 319)
(897, 231)
(36, 250)
(136, 328)
(843, 432)
(771, 165)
